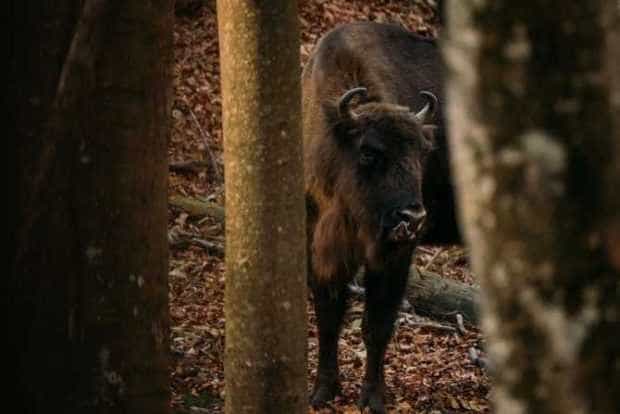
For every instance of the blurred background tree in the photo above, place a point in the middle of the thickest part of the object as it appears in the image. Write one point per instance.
(89, 106)
(534, 104)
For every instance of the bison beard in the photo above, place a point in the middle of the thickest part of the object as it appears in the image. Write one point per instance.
(366, 157)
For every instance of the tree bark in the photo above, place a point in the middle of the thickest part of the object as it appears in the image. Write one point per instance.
(531, 102)
(265, 365)
(89, 97)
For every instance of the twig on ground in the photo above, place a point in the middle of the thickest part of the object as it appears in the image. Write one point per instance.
(459, 258)
(214, 169)
(211, 247)
(460, 325)
(433, 258)
(194, 166)
(198, 410)
(178, 238)
(414, 321)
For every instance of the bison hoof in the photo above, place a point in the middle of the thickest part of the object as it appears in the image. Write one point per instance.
(372, 398)
(323, 393)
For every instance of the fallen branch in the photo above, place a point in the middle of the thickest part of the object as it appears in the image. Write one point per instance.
(198, 208)
(432, 259)
(414, 321)
(181, 239)
(212, 248)
(212, 163)
(194, 166)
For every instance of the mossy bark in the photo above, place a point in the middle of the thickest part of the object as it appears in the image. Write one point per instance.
(532, 101)
(89, 96)
(265, 298)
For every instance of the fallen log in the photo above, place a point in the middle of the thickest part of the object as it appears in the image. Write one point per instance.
(430, 294)
(442, 299)
(436, 297)
(198, 208)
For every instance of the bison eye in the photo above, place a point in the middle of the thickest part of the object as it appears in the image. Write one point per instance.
(371, 149)
(368, 157)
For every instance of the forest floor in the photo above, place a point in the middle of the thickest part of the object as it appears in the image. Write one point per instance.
(427, 370)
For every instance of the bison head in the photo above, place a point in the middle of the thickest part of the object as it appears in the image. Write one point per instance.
(377, 184)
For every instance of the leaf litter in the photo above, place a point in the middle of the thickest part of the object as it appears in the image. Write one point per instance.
(427, 370)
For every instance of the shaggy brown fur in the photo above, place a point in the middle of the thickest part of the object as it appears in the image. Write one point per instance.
(394, 65)
(348, 202)
(367, 164)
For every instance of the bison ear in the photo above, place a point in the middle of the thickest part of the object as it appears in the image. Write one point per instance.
(429, 131)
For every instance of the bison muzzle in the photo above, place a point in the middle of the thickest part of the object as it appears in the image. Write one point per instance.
(374, 145)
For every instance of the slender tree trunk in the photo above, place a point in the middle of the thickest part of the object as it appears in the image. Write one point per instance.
(89, 96)
(537, 160)
(265, 215)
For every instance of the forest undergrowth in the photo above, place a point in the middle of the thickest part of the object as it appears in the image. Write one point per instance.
(428, 370)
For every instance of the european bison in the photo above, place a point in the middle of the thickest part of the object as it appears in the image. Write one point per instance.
(371, 153)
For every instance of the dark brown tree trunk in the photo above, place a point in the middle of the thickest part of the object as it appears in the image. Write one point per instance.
(89, 93)
(265, 302)
(533, 95)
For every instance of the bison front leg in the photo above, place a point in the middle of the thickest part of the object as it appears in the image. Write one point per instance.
(384, 293)
(330, 303)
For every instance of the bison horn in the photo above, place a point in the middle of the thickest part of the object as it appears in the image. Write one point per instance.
(345, 99)
(430, 107)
